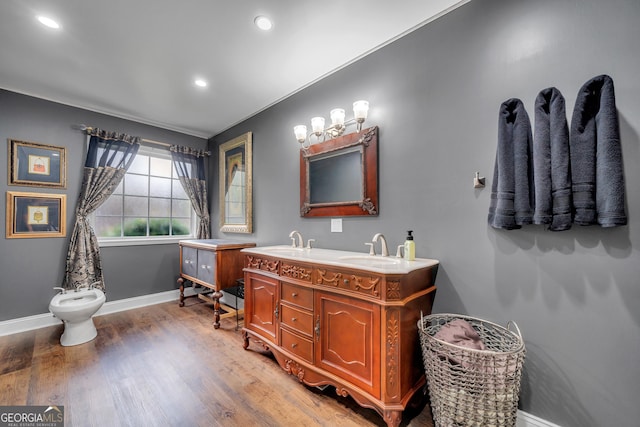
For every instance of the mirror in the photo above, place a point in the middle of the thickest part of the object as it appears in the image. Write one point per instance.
(235, 177)
(339, 177)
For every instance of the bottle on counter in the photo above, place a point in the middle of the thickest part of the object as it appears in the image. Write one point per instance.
(409, 247)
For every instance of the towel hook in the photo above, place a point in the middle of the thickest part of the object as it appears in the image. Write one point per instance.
(478, 181)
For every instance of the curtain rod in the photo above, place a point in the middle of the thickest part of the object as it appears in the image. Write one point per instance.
(88, 129)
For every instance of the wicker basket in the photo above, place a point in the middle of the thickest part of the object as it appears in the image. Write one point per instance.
(469, 387)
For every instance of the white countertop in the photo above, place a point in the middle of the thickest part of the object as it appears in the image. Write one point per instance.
(358, 260)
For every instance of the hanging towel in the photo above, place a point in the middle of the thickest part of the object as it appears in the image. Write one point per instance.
(551, 164)
(512, 187)
(596, 156)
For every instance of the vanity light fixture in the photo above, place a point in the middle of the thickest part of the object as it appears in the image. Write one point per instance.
(338, 124)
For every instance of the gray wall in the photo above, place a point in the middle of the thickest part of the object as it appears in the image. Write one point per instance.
(30, 268)
(435, 96)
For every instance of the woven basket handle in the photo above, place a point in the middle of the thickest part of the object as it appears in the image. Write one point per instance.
(511, 322)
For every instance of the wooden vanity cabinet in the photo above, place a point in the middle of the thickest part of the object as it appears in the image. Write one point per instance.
(261, 305)
(352, 329)
(214, 264)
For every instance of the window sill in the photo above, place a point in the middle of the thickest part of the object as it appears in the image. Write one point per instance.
(142, 241)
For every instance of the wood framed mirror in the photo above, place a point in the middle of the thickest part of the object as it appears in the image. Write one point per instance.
(339, 177)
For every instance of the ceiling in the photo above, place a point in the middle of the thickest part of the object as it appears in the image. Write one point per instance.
(138, 59)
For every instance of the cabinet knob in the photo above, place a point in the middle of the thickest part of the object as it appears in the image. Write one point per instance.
(346, 281)
(293, 319)
(294, 294)
(294, 345)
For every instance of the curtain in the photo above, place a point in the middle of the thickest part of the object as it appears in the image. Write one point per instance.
(190, 166)
(108, 158)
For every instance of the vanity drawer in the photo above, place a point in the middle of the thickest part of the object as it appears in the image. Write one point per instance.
(297, 345)
(368, 284)
(299, 320)
(189, 261)
(206, 267)
(297, 296)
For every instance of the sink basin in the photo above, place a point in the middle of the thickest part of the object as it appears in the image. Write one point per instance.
(370, 260)
(284, 250)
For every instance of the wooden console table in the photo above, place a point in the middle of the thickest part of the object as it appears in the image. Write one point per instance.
(215, 264)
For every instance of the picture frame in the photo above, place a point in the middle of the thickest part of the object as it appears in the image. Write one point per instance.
(37, 165)
(35, 215)
(236, 186)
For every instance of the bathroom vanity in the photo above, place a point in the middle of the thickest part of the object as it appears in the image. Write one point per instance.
(215, 264)
(343, 319)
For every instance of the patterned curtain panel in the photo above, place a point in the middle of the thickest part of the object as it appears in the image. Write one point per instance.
(108, 159)
(191, 172)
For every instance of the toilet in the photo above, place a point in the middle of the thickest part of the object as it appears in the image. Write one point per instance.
(75, 309)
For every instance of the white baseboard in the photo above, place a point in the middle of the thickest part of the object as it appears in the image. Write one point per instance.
(28, 323)
(527, 420)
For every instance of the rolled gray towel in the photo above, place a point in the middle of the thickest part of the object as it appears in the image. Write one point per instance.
(551, 163)
(512, 199)
(596, 156)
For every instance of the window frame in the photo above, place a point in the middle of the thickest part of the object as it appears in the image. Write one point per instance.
(148, 240)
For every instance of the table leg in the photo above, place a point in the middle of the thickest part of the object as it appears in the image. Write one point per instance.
(216, 309)
(181, 283)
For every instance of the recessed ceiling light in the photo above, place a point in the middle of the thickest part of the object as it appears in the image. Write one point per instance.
(263, 23)
(200, 82)
(48, 22)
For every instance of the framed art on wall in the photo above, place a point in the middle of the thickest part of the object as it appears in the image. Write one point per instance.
(31, 215)
(236, 208)
(37, 165)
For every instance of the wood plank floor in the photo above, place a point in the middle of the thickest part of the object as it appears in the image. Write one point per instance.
(164, 365)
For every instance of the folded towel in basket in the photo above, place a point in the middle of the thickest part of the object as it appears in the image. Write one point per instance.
(460, 332)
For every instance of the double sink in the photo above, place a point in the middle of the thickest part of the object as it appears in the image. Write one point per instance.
(377, 263)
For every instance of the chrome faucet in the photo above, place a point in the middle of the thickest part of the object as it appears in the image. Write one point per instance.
(293, 239)
(385, 249)
(62, 290)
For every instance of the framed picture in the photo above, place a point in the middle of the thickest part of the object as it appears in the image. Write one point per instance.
(32, 215)
(236, 198)
(37, 165)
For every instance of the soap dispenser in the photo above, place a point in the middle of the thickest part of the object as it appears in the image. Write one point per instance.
(409, 247)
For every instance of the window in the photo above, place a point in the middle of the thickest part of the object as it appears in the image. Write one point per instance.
(149, 203)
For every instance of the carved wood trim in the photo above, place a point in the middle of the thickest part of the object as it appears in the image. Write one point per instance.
(360, 284)
(293, 368)
(262, 264)
(368, 206)
(393, 290)
(323, 279)
(296, 272)
(393, 354)
(373, 285)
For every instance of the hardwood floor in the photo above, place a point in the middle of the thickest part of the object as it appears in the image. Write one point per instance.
(164, 365)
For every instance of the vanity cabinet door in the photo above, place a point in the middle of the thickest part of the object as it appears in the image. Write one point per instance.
(206, 266)
(347, 336)
(189, 261)
(260, 305)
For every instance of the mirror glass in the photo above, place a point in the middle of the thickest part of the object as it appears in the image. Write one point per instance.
(336, 176)
(339, 177)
